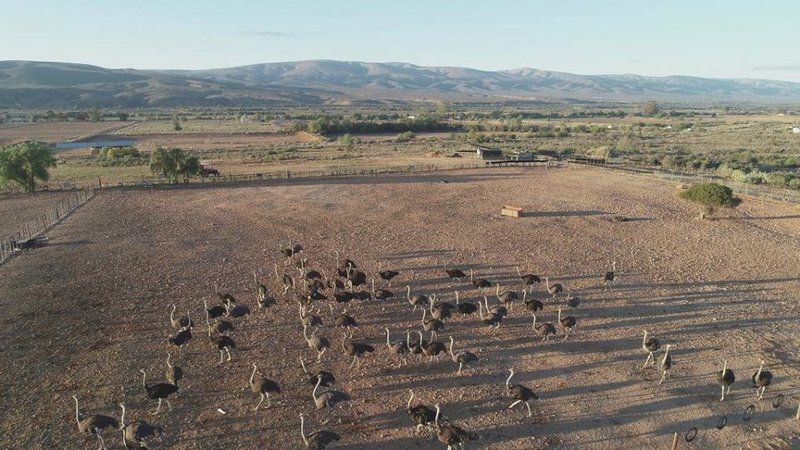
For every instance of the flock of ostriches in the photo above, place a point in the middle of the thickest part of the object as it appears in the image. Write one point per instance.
(348, 283)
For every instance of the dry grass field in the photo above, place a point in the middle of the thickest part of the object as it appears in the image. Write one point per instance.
(85, 313)
(52, 131)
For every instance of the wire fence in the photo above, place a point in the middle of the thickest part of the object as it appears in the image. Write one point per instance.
(29, 231)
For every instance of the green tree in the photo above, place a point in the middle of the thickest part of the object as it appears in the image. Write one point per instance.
(711, 196)
(347, 140)
(95, 115)
(318, 126)
(26, 162)
(176, 123)
(650, 108)
(173, 163)
(123, 116)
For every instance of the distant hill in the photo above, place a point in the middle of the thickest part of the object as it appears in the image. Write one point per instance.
(30, 84)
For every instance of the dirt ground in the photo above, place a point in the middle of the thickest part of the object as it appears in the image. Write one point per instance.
(18, 209)
(84, 314)
(52, 131)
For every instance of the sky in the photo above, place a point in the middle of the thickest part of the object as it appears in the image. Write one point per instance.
(726, 39)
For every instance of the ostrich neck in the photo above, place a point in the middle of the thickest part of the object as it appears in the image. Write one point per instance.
(302, 429)
(122, 418)
(451, 346)
(410, 399)
(303, 365)
(144, 380)
(253, 375)
(436, 419)
(758, 374)
(168, 358)
(172, 314)
(644, 338)
(387, 338)
(77, 414)
(508, 380)
(314, 392)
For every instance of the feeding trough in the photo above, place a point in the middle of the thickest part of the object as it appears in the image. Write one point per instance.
(511, 211)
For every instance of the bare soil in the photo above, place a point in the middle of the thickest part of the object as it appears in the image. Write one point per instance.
(18, 209)
(84, 314)
(52, 131)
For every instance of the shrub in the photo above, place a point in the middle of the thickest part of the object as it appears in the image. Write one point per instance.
(405, 136)
(711, 196)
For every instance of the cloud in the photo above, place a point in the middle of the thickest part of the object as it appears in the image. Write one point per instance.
(267, 33)
(780, 68)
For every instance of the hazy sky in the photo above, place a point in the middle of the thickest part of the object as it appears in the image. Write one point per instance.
(757, 39)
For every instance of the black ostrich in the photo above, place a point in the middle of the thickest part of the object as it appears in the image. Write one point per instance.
(546, 329)
(180, 322)
(480, 283)
(499, 310)
(224, 344)
(650, 346)
(531, 304)
(94, 423)
(554, 289)
(506, 297)
(451, 435)
(398, 348)
(309, 320)
(318, 440)
(316, 343)
(608, 278)
(387, 275)
(158, 391)
(341, 296)
(528, 279)
(455, 274)
(415, 347)
(725, 378)
(344, 320)
(263, 387)
(181, 338)
(566, 323)
(465, 308)
(224, 298)
(519, 393)
(215, 311)
(761, 380)
(417, 300)
(420, 414)
(311, 378)
(356, 350)
(261, 294)
(573, 302)
(432, 349)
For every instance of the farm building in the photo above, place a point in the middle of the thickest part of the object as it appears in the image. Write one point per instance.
(524, 156)
(487, 153)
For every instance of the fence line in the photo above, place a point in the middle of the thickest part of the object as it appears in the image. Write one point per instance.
(11, 244)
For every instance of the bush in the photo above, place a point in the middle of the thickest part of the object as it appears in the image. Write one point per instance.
(711, 196)
(405, 136)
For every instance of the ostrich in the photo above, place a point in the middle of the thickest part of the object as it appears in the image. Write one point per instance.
(532, 304)
(399, 348)
(327, 399)
(215, 311)
(573, 302)
(439, 310)
(387, 274)
(608, 278)
(341, 296)
(236, 311)
(158, 391)
(179, 322)
(312, 275)
(545, 329)
(345, 321)
(725, 378)
(317, 440)
(431, 324)
(327, 378)
(288, 283)
(174, 373)
(506, 297)
(451, 435)
(181, 338)
(261, 294)
(416, 346)
(356, 350)
(432, 349)
(343, 267)
(554, 289)
(480, 283)
(137, 431)
(498, 310)
(566, 323)
(529, 279)
(357, 278)
(455, 274)
(224, 344)
(220, 326)
(761, 380)
(650, 346)
(380, 294)
(309, 320)
(461, 357)
(263, 387)
(465, 308)
(491, 319)
(291, 250)
(417, 300)
(665, 365)
(519, 393)
(224, 298)
(419, 413)
(316, 343)
(94, 424)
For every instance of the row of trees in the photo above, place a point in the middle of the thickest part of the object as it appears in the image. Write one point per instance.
(27, 163)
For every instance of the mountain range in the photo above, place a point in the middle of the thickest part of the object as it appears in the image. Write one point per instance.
(34, 84)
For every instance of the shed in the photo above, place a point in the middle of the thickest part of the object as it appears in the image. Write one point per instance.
(487, 153)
